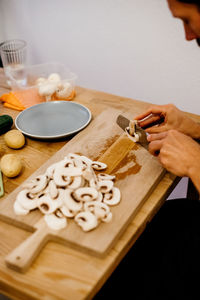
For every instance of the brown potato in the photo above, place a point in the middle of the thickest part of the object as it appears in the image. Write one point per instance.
(14, 139)
(11, 165)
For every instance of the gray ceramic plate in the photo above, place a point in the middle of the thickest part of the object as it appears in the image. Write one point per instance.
(53, 120)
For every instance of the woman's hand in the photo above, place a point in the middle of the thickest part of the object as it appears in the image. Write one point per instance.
(169, 117)
(178, 153)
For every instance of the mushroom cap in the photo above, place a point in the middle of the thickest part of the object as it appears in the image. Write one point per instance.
(71, 202)
(86, 220)
(97, 165)
(68, 168)
(135, 137)
(47, 206)
(107, 218)
(54, 77)
(19, 209)
(132, 127)
(105, 186)
(99, 209)
(100, 197)
(113, 197)
(64, 90)
(104, 176)
(87, 162)
(67, 212)
(47, 88)
(40, 80)
(52, 189)
(40, 184)
(85, 194)
(76, 159)
(55, 222)
(50, 170)
(88, 174)
(59, 177)
(26, 200)
(76, 182)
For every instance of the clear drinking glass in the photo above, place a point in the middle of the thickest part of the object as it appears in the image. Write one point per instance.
(14, 57)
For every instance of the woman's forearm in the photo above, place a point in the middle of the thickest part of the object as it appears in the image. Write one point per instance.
(194, 175)
(192, 128)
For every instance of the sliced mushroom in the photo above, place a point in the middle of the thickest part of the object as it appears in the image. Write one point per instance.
(107, 218)
(132, 127)
(69, 169)
(67, 212)
(73, 156)
(19, 210)
(97, 165)
(135, 138)
(68, 187)
(101, 210)
(86, 162)
(71, 202)
(41, 182)
(86, 220)
(85, 194)
(47, 205)
(29, 185)
(88, 174)
(105, 186)
(72, 171)
(91, 178)
(66, 162)
(59, 178)
(55, 221)
(76, 182)
(100, 197)
(76, 160)
(104, 176)
(113, 197)
(50, 170)
(27, 200)
(53, 191)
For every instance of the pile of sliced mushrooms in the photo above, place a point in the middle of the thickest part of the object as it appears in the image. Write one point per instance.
(71, 188)
(53, 85)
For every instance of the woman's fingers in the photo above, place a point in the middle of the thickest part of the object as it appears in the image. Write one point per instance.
(156, 142)
(150, 121)
(156, 136)
(157, 129)
(153, 110)
(155, 146)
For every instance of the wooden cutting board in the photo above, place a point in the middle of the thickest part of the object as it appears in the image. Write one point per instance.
(137, 174)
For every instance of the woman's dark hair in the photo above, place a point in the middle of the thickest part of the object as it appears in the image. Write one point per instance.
(197, 2)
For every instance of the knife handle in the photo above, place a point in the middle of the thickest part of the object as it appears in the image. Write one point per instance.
(160, 120)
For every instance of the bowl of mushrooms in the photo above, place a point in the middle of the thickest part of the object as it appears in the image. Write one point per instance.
(53, 81)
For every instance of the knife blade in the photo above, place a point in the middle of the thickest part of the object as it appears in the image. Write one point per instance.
(123, 122)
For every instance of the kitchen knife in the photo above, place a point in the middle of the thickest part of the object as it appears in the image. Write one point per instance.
(124, 123)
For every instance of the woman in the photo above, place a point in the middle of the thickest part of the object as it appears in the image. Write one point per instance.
(164, 263)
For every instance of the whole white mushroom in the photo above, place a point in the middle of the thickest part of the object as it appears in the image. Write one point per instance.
(47, 90)
(54, 77)
(64, 90)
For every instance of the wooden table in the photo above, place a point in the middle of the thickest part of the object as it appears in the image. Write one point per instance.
(61, 272)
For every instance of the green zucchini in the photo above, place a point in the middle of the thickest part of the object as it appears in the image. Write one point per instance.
(6, 122)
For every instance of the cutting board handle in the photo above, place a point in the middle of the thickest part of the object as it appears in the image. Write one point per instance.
(22, 257)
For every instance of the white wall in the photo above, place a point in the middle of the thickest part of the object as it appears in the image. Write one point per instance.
(132, 48)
